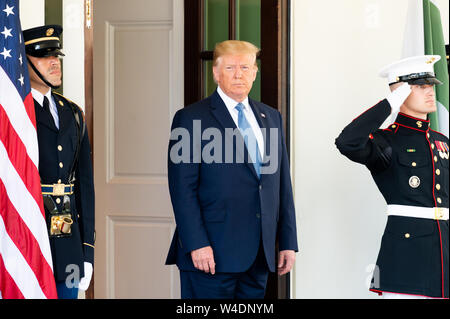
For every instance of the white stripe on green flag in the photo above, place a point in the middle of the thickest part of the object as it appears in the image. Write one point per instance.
(435, 45)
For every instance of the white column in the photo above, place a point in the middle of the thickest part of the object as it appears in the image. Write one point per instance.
(32, 13)
(73, 35)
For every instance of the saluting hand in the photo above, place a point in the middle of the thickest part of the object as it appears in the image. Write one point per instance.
(400, 92)
(286, 262)
(203, 260)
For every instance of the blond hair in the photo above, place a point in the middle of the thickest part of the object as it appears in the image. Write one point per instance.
(234, 47)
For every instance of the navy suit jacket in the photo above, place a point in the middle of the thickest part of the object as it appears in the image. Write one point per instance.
(223, 204)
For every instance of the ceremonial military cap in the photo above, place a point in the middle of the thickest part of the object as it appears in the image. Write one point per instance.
(417, 70)
(43, 41)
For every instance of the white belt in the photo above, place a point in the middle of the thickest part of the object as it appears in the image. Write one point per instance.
(436, 213)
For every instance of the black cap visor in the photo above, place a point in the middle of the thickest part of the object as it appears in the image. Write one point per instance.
(424, 78)
(425, 81)
(44, 49)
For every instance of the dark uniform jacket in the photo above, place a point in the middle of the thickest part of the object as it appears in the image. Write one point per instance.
(56, 156)
(409, 167)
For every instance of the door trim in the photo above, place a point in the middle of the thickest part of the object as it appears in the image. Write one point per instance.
(89, 97)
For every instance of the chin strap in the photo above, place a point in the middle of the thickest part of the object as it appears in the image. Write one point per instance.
(42, 77)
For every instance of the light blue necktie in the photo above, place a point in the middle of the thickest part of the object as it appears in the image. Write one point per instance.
(249, 135)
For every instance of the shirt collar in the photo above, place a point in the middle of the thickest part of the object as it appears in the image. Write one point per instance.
(412, 122)
(230, 103)
(39, 97)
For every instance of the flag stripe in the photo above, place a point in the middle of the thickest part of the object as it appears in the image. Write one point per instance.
(24, 203)
(19, 116)
(17, 155)
(7, 285)
(414, 41)
(17, 266)
(25, 241)
(443, 115)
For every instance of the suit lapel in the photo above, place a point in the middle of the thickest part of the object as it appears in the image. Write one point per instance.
(223, 116)
(43, 117)
(220, 112)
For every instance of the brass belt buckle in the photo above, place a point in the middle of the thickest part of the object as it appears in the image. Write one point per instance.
(58, 189)
(439, 213)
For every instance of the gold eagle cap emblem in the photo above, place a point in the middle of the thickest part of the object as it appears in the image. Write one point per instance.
(50, 32)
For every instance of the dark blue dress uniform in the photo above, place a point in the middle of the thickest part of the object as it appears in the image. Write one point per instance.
(409, 165)
(57, 149)
(65, 169)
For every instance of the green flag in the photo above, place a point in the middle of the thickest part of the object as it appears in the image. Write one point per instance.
(435, 45)
(424, 35)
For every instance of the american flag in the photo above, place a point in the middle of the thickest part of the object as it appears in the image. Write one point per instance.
(26, 269)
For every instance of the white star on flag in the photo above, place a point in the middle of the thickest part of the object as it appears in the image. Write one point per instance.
(20, 59)
(7, 33)
(8, 10)
(21, 80)
(5, 53)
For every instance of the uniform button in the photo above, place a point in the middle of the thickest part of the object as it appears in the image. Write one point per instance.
(260, 187)
(394, 126)
(58, 201)
(59, 148)
(439, 200)
(438, 187)
(414, 164)
(432, 146)
(61, 164)
(436, 159)
(428, 135)
(407, 235)
(438, 172)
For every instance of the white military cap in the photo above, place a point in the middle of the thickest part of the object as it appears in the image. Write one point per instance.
(414, 70)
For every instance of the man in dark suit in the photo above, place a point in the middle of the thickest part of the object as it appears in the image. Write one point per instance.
(64, 165)
(232, 194)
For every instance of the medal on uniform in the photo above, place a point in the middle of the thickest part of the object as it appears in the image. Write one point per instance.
(414, 182)
(443, 149)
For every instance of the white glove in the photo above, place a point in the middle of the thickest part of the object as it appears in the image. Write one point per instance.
(397, 97)
(86, 280)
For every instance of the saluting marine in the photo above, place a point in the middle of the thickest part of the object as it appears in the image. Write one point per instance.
(409, 164)
(64, 165)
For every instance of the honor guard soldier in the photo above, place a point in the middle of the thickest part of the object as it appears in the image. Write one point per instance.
(64, 165)
(409, 163)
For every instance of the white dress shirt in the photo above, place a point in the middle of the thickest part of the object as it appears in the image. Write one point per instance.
(39, 97)
(248, 112)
